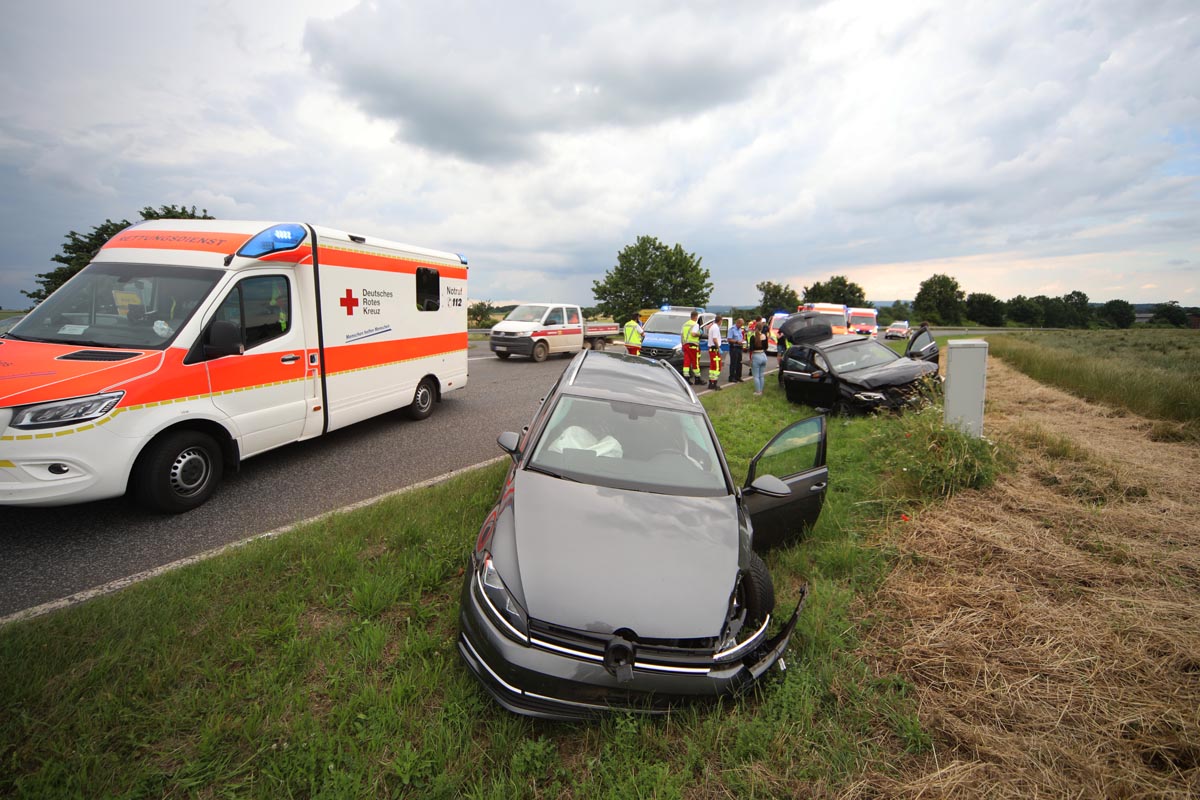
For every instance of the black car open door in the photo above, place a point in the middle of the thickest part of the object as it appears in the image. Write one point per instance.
(796, 456)
(922, 347)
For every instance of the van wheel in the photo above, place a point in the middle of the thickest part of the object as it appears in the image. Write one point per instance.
(422, 404)
(540, 351)
(599, 345)
(177, 472)
(502, 356)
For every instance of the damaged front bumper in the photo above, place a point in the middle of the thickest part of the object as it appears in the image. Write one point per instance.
(542, 679)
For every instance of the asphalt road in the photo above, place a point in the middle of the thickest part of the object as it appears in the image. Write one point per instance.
(51, 553)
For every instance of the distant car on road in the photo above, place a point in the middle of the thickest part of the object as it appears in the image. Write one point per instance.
(617, 569)
(897, 330)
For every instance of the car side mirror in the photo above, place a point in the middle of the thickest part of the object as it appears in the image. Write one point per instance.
(771, 486)
(508, 442)
(224, 339)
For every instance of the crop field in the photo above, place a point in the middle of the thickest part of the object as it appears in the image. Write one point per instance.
(1154, 373)
(1016, 616)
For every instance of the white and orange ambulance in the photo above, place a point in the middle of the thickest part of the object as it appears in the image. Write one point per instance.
(187, 346)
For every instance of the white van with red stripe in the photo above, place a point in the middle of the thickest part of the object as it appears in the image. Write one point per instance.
(539, 330)
(187, 346)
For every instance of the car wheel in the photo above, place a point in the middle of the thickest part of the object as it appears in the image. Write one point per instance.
(758, 591)
(422, 404)
(540, 351)
(503, 356)
(177, 472)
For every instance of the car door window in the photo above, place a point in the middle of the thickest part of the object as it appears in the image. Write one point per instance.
(573, 316)
(555, 317)
(920, 341)
(796, 449)
(260, 307)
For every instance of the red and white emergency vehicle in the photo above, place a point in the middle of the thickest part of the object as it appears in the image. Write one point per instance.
(539, 330)
(187, 346)
(834, 314)
(863, 321)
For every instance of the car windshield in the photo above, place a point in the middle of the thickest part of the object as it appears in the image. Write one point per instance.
(120, 305)
(526, 314)
(666, 323)
(858, 355)
(630, 446)
(862, 319)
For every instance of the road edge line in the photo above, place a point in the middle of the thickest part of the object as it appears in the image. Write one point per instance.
(120, 583)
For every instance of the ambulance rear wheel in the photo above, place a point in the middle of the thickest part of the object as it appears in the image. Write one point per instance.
(422, 404)
(177, 472)
(540, 351)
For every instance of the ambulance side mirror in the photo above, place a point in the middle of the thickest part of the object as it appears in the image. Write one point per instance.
(224, 339)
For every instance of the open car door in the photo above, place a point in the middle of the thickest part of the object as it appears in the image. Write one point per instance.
(922, 347)
(796, 459)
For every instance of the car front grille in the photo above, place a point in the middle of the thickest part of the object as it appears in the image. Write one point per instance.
(658, 352)
(505, 334)
(652, 654)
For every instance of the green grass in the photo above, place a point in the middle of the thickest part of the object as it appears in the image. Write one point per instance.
(323, 664)
(1163, 366)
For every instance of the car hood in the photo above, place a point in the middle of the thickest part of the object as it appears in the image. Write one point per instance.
(599, 559)
(661, 339)
(896, 373)
(35, 372)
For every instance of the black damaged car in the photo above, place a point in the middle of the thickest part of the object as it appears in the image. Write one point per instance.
(851, 373)
(618, 570)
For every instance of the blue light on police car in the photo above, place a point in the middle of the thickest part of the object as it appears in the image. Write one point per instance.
(274, 239)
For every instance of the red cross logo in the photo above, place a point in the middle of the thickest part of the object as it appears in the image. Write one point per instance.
(349, 302)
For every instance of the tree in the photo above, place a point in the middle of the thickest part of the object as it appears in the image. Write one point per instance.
(1118, 313)
(985, 309)
(939, 300)
(838, 289)
(1055, 313)
(1023, 310)
(649, 274)
(1079, 310)
(80, 248)
(1171, 313)
(480, 314)
(777, 297)
(898, 310)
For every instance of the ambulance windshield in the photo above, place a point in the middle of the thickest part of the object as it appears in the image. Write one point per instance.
(138, 306)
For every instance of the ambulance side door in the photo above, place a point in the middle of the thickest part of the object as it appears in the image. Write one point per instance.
(264, 389)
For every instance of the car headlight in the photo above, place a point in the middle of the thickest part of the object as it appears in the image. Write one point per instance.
(679, 347)
(64, 412)
(499, 602)
(869, 397)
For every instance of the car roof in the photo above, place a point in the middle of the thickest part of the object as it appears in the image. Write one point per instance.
(616, 376)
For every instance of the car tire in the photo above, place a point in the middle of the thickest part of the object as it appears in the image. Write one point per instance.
(758, 591)
(423, 399)
(599, 344)
(503, 356)
(177, 472)
(540, 351)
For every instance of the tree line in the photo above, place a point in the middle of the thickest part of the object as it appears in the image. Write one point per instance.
(648, 274)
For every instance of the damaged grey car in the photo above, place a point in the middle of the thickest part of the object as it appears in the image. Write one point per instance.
(617, 569)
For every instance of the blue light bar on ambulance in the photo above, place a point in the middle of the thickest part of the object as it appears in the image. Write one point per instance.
(274, 239)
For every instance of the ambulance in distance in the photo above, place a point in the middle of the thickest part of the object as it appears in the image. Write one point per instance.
(187, 346)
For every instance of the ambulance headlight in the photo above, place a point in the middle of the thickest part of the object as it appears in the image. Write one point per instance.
(64, 412)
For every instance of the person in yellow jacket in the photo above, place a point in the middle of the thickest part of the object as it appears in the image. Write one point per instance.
(690, 337)
(633, 336)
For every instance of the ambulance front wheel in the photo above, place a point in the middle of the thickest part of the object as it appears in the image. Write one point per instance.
(177, 472)
(422, 404)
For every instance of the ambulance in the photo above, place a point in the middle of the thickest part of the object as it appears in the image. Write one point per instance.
(835, 315)
(188, 346)
(863, 321)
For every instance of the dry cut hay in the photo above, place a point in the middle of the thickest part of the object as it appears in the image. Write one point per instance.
(1050, 626)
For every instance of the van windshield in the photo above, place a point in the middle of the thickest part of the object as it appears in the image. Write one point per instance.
(120, 305)
(526, 314)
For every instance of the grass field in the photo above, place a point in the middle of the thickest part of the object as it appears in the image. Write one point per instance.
(323, 663)
(1154, 373)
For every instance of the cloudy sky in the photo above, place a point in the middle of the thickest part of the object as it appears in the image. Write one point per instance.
(1024, 148)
